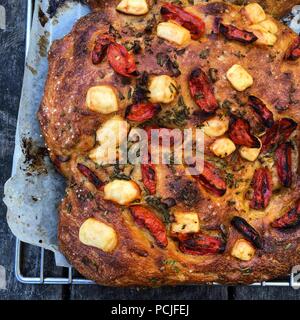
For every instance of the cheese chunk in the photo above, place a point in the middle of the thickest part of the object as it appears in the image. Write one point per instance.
(250, 154)
(239, 78)
(216, 127)
(102, 99)
(110, 135)
(269, 26)
(264, 37)
(133, 7)
(185, 222)
(115, 128)
(97, 234)
(104, 155)
(174, 33)
(243, 250)
(163, 89)
(223, 147)
(254, 13)
(122, 192)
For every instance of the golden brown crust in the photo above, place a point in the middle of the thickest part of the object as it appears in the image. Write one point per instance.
(69, 131)
(276, 8)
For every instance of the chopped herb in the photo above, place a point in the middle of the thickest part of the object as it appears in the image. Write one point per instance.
(226, 106)
(177, 116)
(154, 280)
(156, 203)
(213, 75)
(239, 54)
(172, 65)
(219, 163)
(114, 32)
(231, 203)
(230, 181)
(246, 270)
(136, 47)
(172, 264)
(141, 91)
(180, 52)
(150, 25)
(118, 174)
(204, 54)
(129, 94)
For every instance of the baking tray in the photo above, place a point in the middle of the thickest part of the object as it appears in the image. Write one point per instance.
(69, 275)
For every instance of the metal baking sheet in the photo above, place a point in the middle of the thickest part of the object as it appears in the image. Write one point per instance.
(35, 189)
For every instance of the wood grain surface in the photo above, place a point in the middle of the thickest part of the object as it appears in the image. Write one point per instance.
(12, 51)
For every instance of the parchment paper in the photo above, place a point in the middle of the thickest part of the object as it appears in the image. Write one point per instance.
(35, 189)
(31, 195)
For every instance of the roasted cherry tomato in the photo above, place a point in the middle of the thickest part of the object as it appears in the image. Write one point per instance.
(278, 133)
(283, 156)
(199, 244)
(212, 180)
(189, 21)
(247, 231)
(261, 109)
(121, 60)
(293, 53)
(146, 218)
(240, 134)
(289, 220)
(149, 177)
(202, 91)
(231, 32)
(142, 112)
(262, 186)
(100, 48)
(90, 175)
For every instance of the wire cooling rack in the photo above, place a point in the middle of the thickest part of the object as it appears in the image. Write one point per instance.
(49, 273)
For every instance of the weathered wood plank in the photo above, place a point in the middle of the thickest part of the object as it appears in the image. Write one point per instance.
(266, 293)
(164, 293)
(12, 51)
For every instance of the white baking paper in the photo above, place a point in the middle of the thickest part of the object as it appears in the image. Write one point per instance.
(32, 200)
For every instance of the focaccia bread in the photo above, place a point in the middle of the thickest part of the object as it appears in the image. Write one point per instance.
(232, 72)
(277, 8)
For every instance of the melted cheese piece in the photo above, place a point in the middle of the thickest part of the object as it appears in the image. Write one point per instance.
(243, 250)
(254, 12)
(264, 37)
(215, 127)
(110, 135)
(185, 222)
(239, 78)
(163, 89)
(122, 192)
(269, 26)
(223, 147)
(133, 7)
(102, 99)
(250, 154)
(97, 234)
(174, 33)
(103, 155)
(115, 128)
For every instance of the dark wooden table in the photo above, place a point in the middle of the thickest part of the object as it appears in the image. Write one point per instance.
(12, 50)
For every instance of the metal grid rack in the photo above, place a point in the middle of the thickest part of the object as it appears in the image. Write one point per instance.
(69, 276)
